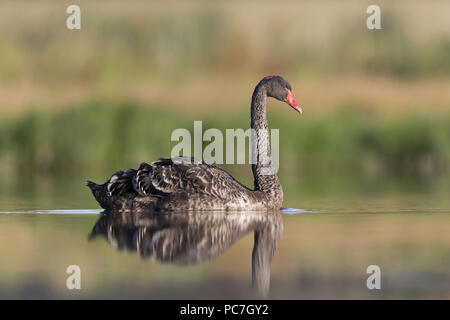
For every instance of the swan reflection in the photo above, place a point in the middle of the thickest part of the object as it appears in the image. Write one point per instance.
(192, 237)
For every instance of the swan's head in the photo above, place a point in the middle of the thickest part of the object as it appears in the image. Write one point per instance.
(277, 87)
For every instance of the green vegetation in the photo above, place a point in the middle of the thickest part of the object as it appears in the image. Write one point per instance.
(100, 137)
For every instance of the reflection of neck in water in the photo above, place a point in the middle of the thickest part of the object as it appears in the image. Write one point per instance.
(184, 239)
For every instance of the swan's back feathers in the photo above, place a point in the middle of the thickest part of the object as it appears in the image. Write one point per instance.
(120, 182)
(192, 176)
(142, 183)
(169, 178)
(167, 175)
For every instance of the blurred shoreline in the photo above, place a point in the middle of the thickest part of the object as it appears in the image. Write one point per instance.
(380, 95)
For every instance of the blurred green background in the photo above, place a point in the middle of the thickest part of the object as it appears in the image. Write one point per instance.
(79, 104)
(372, 147)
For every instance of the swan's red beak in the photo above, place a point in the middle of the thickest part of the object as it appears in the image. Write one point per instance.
(290, 100)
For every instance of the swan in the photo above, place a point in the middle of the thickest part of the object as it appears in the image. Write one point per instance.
(186, 183)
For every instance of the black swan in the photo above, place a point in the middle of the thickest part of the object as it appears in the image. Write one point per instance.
(186, 239)
(185, 183)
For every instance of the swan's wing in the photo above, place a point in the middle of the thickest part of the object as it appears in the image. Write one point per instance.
(119, 182)
(185, 174)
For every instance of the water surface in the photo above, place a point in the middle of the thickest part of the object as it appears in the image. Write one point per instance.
(319, 251)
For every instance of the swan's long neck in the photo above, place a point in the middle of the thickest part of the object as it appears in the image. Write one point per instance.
(264, 172)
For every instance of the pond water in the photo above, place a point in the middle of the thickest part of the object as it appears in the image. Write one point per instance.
(320, 251)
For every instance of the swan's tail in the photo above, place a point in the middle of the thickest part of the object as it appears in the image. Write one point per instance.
(100, 193)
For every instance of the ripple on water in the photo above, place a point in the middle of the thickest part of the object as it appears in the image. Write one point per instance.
(284, 210)
(291, 211)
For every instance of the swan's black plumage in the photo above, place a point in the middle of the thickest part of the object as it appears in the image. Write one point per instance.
(185, 183)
